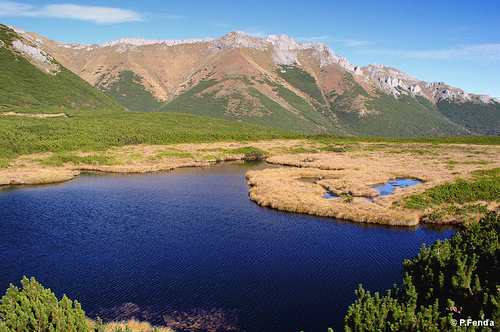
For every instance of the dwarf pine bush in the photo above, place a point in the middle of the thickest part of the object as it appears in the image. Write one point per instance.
(34, 308)
(451, 281)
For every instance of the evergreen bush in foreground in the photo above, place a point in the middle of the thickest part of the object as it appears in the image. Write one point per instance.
(452, 285)
(34, 308)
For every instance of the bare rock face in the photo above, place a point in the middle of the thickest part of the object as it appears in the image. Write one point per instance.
(286, 52)
(392, 81)
(283, 42)
(238, 39)
(38, 57)
(395, 82)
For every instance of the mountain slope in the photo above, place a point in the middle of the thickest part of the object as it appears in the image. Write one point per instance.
(30, 78)
(274, 81)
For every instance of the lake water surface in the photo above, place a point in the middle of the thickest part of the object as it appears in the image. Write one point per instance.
(189, 244)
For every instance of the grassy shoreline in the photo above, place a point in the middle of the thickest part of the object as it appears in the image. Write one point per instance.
(356, 170)
(352, 170)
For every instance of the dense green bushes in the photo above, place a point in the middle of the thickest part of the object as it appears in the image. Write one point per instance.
(130, 92)
(460, 191)
(480, 118)
(35, 308)
(443, 286)
(301, 79)
(99, 130)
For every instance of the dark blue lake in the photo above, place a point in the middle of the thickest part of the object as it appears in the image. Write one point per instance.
(190, 245)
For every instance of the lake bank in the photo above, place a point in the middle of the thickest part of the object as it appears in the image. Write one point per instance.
(312, 169)
(50, 168)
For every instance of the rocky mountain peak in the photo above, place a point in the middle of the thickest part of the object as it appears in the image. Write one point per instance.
(283, 42)
(238, 39)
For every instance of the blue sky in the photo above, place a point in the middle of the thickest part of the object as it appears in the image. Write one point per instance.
(457, 42)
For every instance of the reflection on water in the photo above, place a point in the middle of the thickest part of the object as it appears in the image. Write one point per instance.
(384, 190)
(389, 187)
(188, 244)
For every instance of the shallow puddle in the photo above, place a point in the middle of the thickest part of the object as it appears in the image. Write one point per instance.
(389, 187)
(384, 190)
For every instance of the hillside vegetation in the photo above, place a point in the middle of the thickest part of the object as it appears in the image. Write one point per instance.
(24, 85)
(309, 112)
(83, 130)
(129, 91)
(483, 119)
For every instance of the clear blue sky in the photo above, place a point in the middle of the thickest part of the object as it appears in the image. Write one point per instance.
(457, 42)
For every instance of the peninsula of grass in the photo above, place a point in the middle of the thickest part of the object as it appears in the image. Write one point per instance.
(457, 195)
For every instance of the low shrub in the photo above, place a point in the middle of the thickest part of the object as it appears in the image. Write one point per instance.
(34, 308)
(444, 285)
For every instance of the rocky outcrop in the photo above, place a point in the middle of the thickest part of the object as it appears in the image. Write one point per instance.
(238, 39)
(38, 57)
(286, 52)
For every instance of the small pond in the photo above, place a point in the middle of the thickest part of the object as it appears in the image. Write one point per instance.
(386, 189)
(189, 245)
(389, 187)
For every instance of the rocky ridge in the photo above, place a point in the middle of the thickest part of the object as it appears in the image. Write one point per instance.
(286, 50)
(395, 82)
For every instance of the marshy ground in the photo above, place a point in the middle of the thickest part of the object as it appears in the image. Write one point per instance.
(310, 170)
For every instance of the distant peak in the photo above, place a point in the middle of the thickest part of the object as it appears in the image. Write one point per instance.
(239, 39)
(239, 33)
(144, 42)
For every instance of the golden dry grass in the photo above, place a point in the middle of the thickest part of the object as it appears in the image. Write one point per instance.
(355, 171)
(302, 187)
(30, 169)
(285, 189)
(36, 175)
(133, 324)
(38, 115)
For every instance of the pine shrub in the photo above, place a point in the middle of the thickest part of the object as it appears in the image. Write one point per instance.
(452, 280)
(34, 308)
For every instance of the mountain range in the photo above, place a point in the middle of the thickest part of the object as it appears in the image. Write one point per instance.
(273, 81)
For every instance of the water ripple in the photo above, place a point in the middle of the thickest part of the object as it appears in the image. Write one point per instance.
(152, 242)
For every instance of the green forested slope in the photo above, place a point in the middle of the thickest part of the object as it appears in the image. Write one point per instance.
(480, 118)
